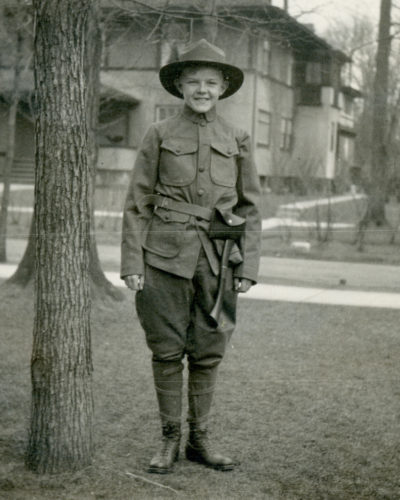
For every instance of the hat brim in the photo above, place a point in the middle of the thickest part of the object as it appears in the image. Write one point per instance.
(170, 72)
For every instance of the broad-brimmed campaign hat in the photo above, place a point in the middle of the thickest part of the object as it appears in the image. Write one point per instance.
(201, 53)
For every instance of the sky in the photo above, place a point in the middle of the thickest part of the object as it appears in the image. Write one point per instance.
(327, 10)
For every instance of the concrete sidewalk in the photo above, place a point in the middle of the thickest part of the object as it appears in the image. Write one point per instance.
(288, 280)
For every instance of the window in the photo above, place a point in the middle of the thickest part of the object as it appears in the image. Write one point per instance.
(285, 67)
(265, 57)
(263, 128)
(163, 112)
(286, 133)
(289, 71)
(348, 105)
(314, 73)
(333, 136)
(113, 128)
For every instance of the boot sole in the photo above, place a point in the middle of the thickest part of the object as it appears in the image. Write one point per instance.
(194, 457)
(152, 469)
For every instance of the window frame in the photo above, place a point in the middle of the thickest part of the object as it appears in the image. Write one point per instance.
(286, 133)
(170, 110)
(264, 117)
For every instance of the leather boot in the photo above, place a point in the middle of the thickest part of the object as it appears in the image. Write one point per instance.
(201, 391)
(168, 382)
(163, 461)
(198, 449)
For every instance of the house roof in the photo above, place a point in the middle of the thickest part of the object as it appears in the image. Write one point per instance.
(116, 88)
(277, 21)
(260, 14)
(199, 5)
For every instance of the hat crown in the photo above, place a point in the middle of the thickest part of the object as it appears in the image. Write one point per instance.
(203, 51)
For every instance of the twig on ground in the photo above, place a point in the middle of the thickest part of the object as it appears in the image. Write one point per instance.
(151, 482)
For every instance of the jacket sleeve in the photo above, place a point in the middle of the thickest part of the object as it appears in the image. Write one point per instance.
(248, 206)
(143, 179)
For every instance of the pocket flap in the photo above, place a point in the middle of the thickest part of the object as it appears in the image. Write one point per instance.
(170, 216)
(179, 147)
(226, 149)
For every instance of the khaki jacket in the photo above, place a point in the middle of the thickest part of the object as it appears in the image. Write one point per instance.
(198, 159)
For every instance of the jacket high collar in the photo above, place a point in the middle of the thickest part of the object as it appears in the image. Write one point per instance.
(198, 117)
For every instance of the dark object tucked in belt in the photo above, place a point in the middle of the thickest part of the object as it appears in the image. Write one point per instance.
(229, 227)
(225, 225)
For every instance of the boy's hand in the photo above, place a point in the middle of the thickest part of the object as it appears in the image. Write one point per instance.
(242, 285)
(134, 282)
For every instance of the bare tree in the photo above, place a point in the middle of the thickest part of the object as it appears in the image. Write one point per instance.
(61, 367)
(357, 38)
(374, 70)
(379, 177)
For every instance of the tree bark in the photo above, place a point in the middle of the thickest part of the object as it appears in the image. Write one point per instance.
(379, 171)
(61, 366)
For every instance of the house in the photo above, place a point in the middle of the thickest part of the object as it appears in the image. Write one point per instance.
(293, 103)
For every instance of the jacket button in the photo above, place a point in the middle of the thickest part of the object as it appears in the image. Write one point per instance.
(229, 151)
(200, 192)
(202, 168)
(202, 123)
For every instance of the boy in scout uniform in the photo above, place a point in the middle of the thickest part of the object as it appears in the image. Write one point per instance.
(189, 168)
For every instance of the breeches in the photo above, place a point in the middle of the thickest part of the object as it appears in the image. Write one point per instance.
(174, 313)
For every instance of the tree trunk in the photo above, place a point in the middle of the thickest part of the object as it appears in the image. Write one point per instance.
(10, 153)
(61, 366)
(379, 172)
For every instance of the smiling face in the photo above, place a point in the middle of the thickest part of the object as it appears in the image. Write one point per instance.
(201, 87)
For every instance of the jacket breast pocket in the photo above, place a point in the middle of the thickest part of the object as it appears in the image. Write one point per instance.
(177, 162)
(166, 233)
(224, 163)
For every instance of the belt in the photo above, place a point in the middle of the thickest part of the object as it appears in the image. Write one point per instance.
(157, 200)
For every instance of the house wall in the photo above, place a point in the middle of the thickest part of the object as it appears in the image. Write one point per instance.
(268, 91)
(316, 131)
(273, 98)
(310, 143)
(138, 46)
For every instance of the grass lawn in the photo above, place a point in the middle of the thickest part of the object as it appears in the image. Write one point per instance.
(308, 401)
